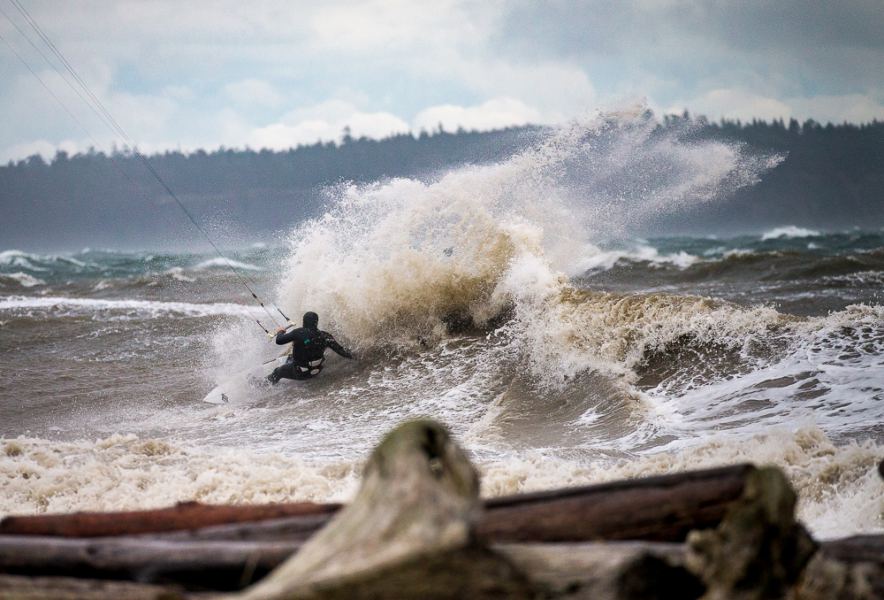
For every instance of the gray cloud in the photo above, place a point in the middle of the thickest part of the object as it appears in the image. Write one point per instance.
(824, 46)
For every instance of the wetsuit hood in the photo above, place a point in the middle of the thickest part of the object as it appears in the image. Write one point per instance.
(311, 320)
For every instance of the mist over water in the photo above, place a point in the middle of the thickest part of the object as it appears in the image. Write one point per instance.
(510, 301)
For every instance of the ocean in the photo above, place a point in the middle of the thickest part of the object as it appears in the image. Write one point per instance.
(514, 302)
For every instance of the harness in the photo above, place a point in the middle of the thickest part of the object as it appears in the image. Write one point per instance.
(313, 367)
(308, 352)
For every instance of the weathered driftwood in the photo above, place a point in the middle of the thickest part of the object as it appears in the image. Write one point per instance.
(197, 564)
(605, 570)
(408, 532)
(186, 515)
(848, 569)
(14, 587)
(856, 549)
(758, 551)
(662, 508)
(827, 577)
(207, 565)
(288, 529)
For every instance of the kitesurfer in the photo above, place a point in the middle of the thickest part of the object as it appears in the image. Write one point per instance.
(308, 350)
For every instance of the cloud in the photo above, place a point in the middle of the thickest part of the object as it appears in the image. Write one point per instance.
(557, 91)
(745, 105)
(735, 104)
(493, 114)
(203, 74)
(325, 122)
(853, 108)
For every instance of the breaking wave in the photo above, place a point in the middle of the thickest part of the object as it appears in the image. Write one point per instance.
(119, 309)
(20, 279)
(789, 231)
(225, 263)
(397, 261)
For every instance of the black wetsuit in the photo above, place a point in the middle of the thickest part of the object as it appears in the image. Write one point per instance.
(308, 350)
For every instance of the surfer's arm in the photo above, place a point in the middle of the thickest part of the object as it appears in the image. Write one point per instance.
(283, 337)
(332, 343)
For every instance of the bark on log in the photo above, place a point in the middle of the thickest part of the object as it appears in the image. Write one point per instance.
(289, 529)
(859, 548)
(213, 565)
(663, 508)
(590, 570)
(186, 515)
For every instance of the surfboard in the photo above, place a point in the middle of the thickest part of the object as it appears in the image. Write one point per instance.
(236, 386)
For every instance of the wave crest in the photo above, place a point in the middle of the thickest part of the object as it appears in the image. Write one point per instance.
(396, 261)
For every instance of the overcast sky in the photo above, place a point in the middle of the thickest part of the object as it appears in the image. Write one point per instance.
(272, 74)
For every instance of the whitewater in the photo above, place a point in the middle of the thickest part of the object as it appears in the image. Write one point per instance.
(512, 301)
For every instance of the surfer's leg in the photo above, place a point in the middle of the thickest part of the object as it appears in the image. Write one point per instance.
(286, 371)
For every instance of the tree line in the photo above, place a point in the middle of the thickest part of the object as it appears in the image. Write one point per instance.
(832, 177)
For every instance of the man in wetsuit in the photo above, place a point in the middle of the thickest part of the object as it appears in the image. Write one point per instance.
(308, 350)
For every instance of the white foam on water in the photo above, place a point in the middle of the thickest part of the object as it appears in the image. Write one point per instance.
(37, 262)
(225, 263)
(125, 472)
(17, 258)
(177, 273)
(839, 490)
(23, 279)
(63, 306)
(606, 259)
(830, 375)
(788, 231)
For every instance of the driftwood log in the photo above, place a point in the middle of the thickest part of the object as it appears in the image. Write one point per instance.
(231, 564)
(598, 570)
(15, 587)
(662, 508)
(183, 516)
(218, 565)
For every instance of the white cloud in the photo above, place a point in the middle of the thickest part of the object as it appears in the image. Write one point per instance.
(325, 122)
(19, 151)
(745, 105)
(735, 104)
(557, 91)
(493, 114)
(854, 108)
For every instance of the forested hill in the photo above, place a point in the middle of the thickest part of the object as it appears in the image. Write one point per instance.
(832, 178)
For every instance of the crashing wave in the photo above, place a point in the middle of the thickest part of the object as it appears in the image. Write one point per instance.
(788, 231)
